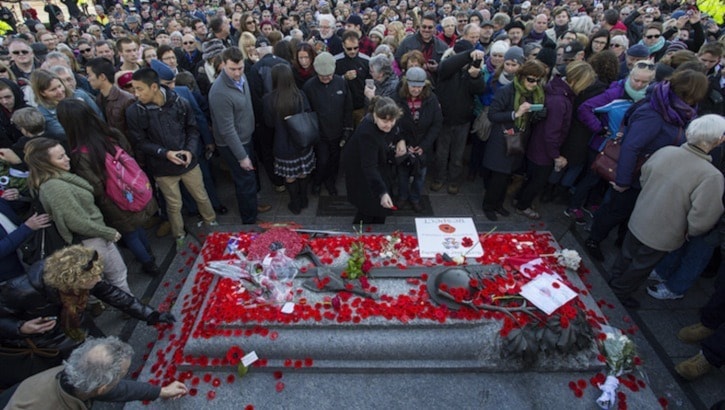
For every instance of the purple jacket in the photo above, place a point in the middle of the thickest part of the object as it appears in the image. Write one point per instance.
(594, 122)
(548, 135)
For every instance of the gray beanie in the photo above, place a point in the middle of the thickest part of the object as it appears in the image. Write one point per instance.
(514, 53)
(211, 48)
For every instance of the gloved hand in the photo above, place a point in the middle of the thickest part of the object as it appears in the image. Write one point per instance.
(160, 317)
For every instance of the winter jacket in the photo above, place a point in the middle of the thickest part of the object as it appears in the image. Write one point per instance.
(500, 113)
(433, 50)
(10, 265)
(645, 132)
(676, 200)
(423, 132)
(260, 81)
(548, 134)
(69, 199)
(360, 64)
(574, 148)
(28, 297)
(283, 146)
(114, 107)
(585, 112)
(455, 89)
(9, 133)
(364, 159)
(155, 130)
(333, 104)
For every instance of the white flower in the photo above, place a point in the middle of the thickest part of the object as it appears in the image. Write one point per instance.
(459, 259)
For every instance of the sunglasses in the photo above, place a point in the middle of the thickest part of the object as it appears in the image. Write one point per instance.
(186, 43)
(3, 70)
(645, 64)
(532, 80)
(351, 48)
(88, 266)
(616, 45)
(651, 36)
(250, 22)
(85, 50)
(23, 52)
(427, 27)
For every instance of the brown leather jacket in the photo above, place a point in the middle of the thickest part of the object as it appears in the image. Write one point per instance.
(115, 107)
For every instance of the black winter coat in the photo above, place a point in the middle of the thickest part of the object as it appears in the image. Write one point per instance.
(364, 159)
(455, 89)
(575, 146)
(284, 148)
(27, 297)
(424, 132)
(333, 104)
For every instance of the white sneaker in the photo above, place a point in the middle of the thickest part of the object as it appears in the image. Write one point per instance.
(208, 224)
(661, 292)
(655, 277)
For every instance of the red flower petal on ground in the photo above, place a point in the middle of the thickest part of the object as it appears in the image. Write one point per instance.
(279, 387)
(211, 395)
(636, 360)
(249, 407)
(235, 354)
(216, 382)
(467, 242)
(578, 393)
(663, 402)
(582, 384)
(207, 378)
(230, 379)
(277, 375)
(192, 392)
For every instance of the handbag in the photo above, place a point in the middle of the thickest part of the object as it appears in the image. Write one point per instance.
(514, 142)
(43, 242)
(482, 125)
(303, 128)
(606, 162)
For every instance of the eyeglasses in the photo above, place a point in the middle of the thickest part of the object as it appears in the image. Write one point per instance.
(427, 27)
(250, 22)
(186, 43)
(651, 36)
(532, 80)
(88, 266)
(23, 52)
(645, 64)
(3, 70)
(616, 45)
(351, 48)
(85, 50)
(463, 21)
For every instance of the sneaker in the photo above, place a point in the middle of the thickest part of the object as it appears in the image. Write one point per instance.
(694, 367)
(280, 188)
(180, 242)
(453, 189)
(661, 292)
(694, 333)
(208, 224)
(436, 186)
(590, 210)
(655, 277)
(576, 214)
(593, 250)
(529, 213)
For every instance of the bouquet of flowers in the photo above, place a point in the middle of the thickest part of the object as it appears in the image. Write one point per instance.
(620, 353)
(358, 263)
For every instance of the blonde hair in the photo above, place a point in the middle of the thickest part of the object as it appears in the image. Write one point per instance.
(580, 75)
(67, 268)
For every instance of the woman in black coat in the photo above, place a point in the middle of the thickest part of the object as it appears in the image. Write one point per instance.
(46, 307)
(507, 116)
(291, 162)
(365, 161)
(420, 124)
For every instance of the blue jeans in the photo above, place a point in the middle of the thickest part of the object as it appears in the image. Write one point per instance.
(409, 191)
(683, 266)
(245, 184)
(138, 243)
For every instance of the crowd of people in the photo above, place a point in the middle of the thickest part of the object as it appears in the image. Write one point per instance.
(524, 96)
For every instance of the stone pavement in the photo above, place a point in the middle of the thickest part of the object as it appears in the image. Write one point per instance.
(655, 327)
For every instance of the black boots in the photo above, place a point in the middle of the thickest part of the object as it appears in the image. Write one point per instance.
(298, 195)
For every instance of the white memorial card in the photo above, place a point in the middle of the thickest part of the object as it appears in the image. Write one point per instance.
(547, 292)
(453, 236)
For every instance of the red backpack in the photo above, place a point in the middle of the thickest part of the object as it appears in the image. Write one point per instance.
(126, 184)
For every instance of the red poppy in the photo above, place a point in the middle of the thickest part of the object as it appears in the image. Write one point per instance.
(234, 355)
(467, 242)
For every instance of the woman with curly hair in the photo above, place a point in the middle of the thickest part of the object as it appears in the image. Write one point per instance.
(46, 307)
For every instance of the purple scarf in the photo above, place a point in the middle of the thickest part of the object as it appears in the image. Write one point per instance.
(672, 108)
(533, 35)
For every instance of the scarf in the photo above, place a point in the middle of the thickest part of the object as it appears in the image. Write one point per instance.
(523, 95)
(655, 47)
(635, 95)
(533, 35)
(71, 314)
(306, 73)
(560, 30)
(489, 66)
(505, 79)
(671, 107)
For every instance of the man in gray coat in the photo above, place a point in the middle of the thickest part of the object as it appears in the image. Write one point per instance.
(676, 203)
(230, 103)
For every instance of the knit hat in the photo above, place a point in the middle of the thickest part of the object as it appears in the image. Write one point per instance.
(211, 48)
(262, 41)
(514, 53)
(676, 46)
(324, 64)
(378, 30)
(462, 45)
(638, 50)
(164, 71)
(547, 56)
(515, 24)
(416, 76)
(355, 20)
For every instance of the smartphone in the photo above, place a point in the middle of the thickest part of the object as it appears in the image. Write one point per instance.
(536, 107)
(49, 318)
(370, 83)
(181, 156)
